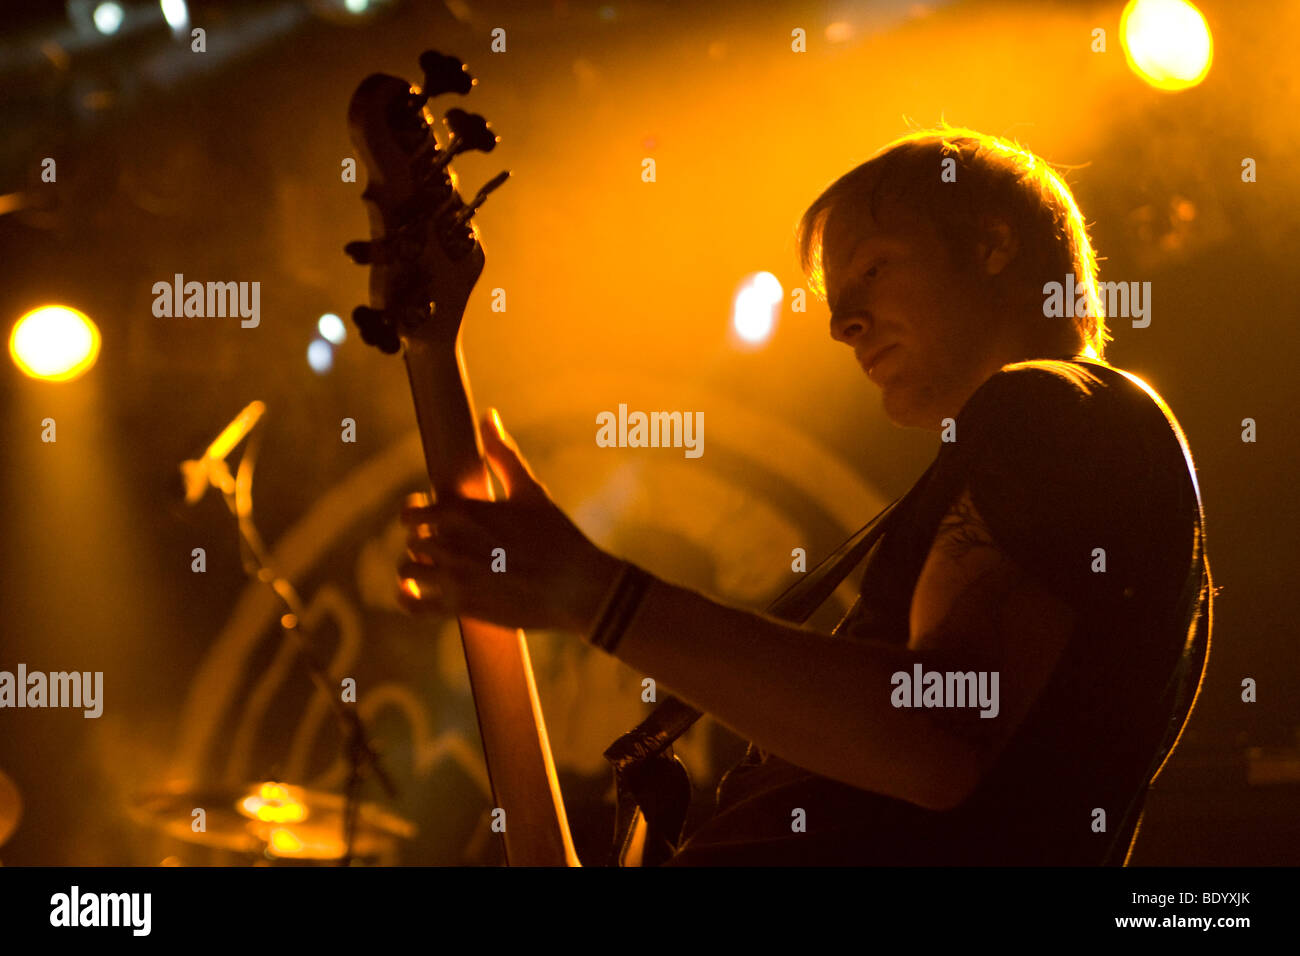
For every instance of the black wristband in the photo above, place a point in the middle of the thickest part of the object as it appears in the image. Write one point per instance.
(620, 606)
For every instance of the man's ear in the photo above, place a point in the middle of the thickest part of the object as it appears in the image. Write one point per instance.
(998, 247)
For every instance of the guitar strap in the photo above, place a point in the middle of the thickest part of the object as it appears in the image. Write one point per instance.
(648, 778)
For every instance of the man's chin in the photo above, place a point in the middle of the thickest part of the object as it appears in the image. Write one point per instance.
(894, 410)
(902, 412)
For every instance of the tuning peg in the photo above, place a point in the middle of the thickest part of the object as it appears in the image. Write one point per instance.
(377, 329)
(463, 214)
(468, 131)
(362, 252)
(471, 130)
(444, 74)
(380, 251)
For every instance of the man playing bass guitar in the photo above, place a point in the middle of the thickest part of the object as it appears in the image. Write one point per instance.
(1019, 660)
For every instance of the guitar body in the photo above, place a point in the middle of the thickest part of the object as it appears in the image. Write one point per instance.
(653, 798)
(425, 259)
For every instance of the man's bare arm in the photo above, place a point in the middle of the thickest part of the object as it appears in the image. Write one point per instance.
(819, 702)
(825, 703)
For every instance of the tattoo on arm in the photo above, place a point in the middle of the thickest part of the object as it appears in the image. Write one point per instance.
(961, 530)
(973, 631)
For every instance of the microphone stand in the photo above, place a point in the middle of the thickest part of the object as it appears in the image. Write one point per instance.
(238, 494)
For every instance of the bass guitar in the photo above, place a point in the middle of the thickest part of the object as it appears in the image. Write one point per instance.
(425, 258)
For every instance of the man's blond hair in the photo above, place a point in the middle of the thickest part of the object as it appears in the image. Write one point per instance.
(995, 178)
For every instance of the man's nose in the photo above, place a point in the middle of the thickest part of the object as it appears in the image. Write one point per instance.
(847, 327)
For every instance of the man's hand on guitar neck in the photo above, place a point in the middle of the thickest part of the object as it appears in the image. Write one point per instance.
(518, 562)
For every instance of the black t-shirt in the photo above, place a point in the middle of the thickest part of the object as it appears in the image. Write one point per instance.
(1061, 457)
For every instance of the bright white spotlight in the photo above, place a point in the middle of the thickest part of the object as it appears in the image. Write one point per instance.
(332, 328)
(176, 13)
(356, 6)
(320, 356)
(1166, 42)
(54, 343)
(108, 17)
(769, 285)
(754, 314)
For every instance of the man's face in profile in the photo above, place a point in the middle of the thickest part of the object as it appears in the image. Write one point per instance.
(921, 325)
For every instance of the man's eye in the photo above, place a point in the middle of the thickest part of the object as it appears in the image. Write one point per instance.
(874, 270)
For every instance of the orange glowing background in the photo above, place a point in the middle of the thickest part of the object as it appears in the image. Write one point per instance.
(600, 288)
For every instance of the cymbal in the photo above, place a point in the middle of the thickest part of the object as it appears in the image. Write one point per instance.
(278, 820)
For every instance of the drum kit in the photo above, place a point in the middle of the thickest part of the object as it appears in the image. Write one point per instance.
(274, 823)
(268, 823)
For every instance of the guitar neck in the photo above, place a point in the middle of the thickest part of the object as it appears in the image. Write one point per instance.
(515, 745)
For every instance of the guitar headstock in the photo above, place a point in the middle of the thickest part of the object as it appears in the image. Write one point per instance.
(423, 251)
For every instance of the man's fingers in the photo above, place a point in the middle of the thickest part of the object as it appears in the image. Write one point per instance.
(507, 460)
(417, 592)
(437, 587)
(415, 510)
(452, 534)
(456, 509)
(422, 578)
(420, 554)
(415, 500)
